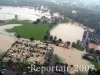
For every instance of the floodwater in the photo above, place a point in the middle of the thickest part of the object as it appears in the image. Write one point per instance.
(23, 13)
(68, 32)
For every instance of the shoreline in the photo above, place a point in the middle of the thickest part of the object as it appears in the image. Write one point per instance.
(8, 26)
(6, 38)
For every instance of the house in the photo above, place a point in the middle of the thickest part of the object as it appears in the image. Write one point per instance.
(2, 22)
(45, 19)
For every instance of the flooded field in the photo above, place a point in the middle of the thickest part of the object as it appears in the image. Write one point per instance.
(23, 13)
(68, 32)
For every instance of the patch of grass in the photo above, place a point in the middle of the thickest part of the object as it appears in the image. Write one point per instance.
(95, 64)
(28, 29)
(77, 46)
(57, 58)
(80, 73)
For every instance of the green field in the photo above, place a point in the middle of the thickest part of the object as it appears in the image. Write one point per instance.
(29, 30)
(95, 64)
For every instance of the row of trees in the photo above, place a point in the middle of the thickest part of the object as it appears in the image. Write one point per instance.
(52, 39)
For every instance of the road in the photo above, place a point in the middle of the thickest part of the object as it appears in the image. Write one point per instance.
(52, 63)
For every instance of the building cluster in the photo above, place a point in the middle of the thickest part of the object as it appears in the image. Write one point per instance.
(29, 51)
(91, 41)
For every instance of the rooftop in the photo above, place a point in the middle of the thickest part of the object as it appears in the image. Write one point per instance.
(95, 37)
(1, 21)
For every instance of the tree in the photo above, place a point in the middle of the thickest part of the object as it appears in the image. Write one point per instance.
(51, 38)
(16, 16)
(32, 39)
(78, 41)
(45, 37)
(47, 32)
(73, 44)
(37, 21)
(60, 40)
(18, 36)
(97, 55)
(91, 50)
(55, 38)
(68, 43)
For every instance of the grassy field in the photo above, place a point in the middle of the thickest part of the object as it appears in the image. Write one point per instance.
(95, 64)
(28, 30)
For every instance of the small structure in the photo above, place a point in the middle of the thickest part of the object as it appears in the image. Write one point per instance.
(45, 19)
(67, 45)
(2, 22)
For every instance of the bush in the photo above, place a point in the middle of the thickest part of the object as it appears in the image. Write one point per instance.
(91, 51)
(57, 58)
(78, 46)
